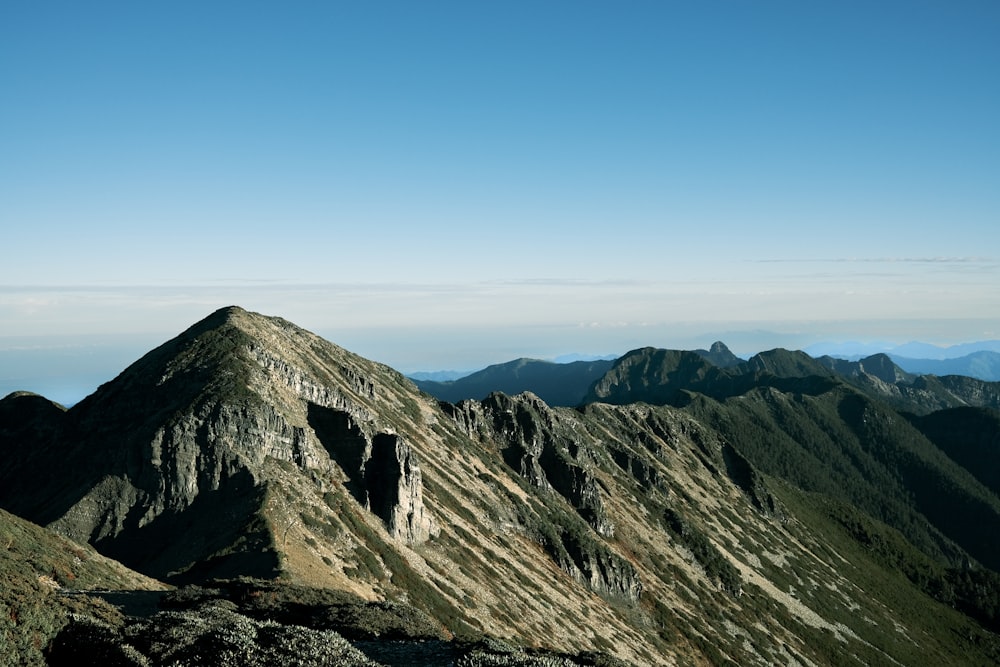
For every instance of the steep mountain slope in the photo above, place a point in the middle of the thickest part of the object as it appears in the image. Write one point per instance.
(792, 419)
(880, 377)
(656, 376)
(556, 384)
(970, 437)
(203, 427)
(656, 533)
(848, 447)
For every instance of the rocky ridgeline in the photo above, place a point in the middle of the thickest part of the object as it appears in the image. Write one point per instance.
(535, 442)
(228, 451)
(540, 451)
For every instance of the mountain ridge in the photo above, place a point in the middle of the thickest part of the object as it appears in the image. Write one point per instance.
(689, 520)
(913, 349)
(983, 365)
(556, 383)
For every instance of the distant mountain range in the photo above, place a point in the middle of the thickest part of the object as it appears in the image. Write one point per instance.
(308, 506)
(438, 376)
(554, 383)
(977, 360)
(912, 350)
(446, 376)
(980, 360)
(567, 384)
(984, 365)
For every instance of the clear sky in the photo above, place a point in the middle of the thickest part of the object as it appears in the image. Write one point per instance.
(451, 184)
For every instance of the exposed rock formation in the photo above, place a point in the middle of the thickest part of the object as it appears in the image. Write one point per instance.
(537, 445)
(214, 634)
(203, 416)
(383, 472)
(534, 443)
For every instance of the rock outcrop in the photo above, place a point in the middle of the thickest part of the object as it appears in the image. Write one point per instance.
(537, 444)
(383, 472)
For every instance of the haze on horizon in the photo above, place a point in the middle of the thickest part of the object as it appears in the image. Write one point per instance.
(448, 185)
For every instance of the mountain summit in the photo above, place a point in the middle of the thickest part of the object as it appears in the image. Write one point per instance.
(690, 513)
(197, 436)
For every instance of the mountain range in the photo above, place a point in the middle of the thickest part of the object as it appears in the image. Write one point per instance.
(542, 376)
(258, 495)
(910, 350)
(984, 365)
(566, 384)
(979, 360)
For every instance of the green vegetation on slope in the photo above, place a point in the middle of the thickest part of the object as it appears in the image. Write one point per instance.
(40, 573)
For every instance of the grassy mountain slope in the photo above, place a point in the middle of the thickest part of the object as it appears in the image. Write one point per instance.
(42, 577)
(793, 419)
(846, 446)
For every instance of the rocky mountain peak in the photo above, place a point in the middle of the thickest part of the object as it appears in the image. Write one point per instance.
(206, 421)
(882, 367)
(720, 355)
(718, 347)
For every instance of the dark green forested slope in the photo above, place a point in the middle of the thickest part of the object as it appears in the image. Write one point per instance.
(554, 383)
(970, 437)
(857, 450)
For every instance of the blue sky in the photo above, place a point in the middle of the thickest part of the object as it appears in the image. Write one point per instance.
(450, 184)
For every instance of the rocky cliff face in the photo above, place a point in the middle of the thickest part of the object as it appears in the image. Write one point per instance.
(540, 446)
(534, 443)
(383, 471)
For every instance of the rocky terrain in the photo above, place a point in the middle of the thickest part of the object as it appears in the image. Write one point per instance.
(692, 509)
(44, 578)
